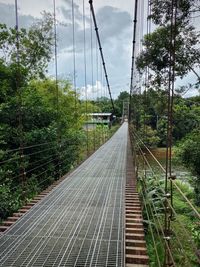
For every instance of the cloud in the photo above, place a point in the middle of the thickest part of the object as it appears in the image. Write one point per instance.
(112, 22)
(93, 91)
(190, 78)
(67, 11)
(115, 28)
(7, 14)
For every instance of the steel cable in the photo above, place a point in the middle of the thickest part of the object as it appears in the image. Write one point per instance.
(169, 203)
(133, 56)
(101, 53)
(85, 77)
(174, 232)
(163, 169)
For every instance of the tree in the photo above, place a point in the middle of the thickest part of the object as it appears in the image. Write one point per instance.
(161, 10)
(189, 152)
(185, 119)
(157, 45)
(40, 130)
(123, 96)
(156, 54)
(28, 51)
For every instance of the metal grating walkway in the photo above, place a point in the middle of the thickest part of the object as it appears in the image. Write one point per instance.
(80, 222)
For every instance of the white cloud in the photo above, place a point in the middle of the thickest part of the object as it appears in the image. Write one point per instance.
(93, 91)
(114, 18)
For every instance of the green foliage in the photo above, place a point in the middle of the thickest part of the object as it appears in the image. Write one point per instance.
(37, 116)
(28, 51)
(161, 10)
(9, 200)
(157, 45)
(186, 118)
(156, 54)
(189, 152)
(184, 226)
(104, 104)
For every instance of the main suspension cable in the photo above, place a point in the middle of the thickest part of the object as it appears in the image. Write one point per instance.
(101, 53)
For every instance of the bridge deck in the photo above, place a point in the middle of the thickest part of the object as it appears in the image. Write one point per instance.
(81, 221)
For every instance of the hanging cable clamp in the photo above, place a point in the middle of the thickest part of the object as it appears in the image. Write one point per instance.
(172, 217)
(168, 208)
(172, 177)
(167, 238)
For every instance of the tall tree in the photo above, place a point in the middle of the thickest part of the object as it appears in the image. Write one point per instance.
(157, 45)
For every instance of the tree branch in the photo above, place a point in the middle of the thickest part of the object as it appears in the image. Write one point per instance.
(194, 72)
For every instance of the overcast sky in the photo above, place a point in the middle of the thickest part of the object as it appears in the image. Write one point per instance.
(114, 18)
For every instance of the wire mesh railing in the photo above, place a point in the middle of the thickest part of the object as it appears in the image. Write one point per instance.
(42, 167)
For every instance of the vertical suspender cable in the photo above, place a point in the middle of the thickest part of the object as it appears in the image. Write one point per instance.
(148, 25)
(133, 58)
(172, 95)
(85, 78)
(56, 85)
(168, 174)
(92, 78)
(19, 104)
(97, 84)
(74, 60)
(56, 57)
(97, 69)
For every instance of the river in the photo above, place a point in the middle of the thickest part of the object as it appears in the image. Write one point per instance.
(178, 169)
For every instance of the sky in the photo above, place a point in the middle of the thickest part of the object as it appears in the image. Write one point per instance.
(115, 23)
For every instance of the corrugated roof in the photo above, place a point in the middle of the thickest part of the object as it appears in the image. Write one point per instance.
(99, 114)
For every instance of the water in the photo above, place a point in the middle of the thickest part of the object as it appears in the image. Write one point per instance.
(178, 169)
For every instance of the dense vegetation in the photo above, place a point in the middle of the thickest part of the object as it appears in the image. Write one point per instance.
(150, 122)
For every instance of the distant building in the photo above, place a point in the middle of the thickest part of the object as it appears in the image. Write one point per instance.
(95, 119)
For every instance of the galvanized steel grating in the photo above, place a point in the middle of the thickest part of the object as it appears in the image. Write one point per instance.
(80, 222)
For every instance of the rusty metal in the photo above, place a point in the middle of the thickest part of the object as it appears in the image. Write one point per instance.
(135, 245)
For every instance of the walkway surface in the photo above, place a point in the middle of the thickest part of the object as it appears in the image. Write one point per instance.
(81, 221)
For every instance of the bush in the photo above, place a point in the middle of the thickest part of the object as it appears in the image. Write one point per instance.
(189, 153)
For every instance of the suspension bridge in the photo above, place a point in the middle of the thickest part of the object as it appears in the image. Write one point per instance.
(113, 208)
(81, 222)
